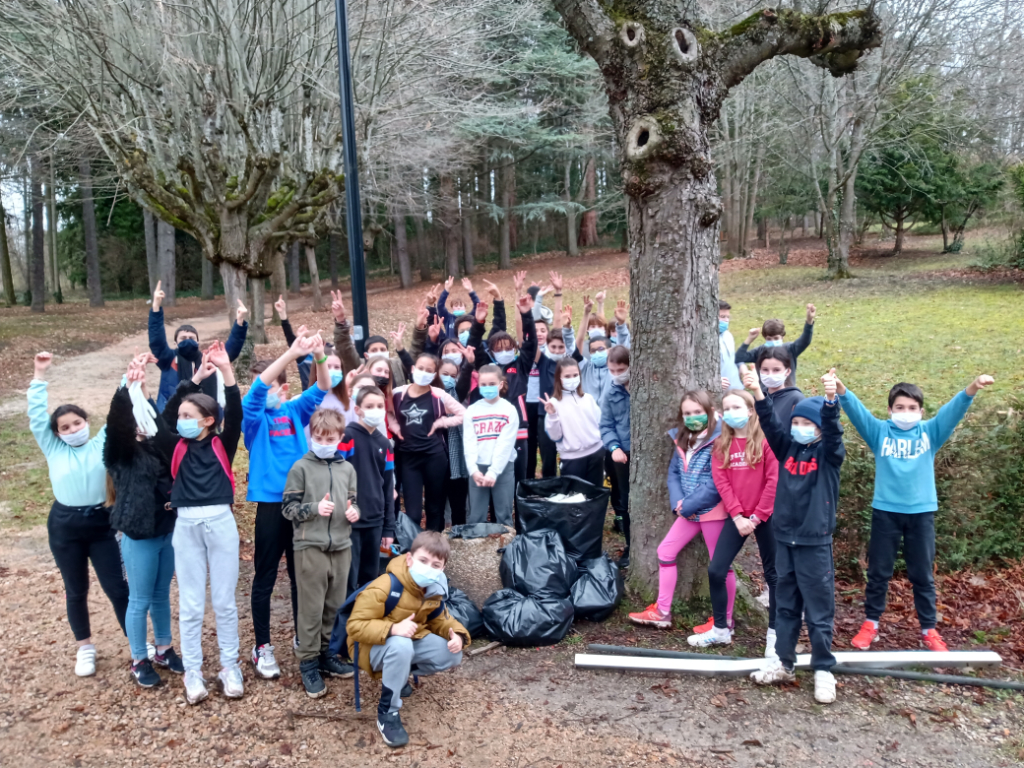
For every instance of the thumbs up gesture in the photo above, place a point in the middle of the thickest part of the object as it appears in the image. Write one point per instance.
(454, 642)
(351, 513)
(326, 506)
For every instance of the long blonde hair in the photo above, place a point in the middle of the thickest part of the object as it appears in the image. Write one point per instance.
(755, 436)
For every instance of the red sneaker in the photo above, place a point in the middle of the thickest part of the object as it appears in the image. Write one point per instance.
(702, 628)
(865, 637)
(932, 640)
(652, 617)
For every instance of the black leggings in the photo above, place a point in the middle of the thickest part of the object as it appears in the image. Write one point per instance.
(365, 556)
(618, 505)
(622, 475)
(589, 468)
(78, 535)
(273, 537)
(456, 490)
(425, 472)
(729, 545)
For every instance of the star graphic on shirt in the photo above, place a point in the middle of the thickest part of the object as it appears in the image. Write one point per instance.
(414, 415)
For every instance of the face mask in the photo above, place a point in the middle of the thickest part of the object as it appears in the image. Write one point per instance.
(371, 356)
(76, 439)
(600, 359)
(696, 423)
(189, 349)
(736, 419)
(906, 420)
(448, 381)
(622, 379)
(614, 340)
(273, 401)
(381, 382)
(323, 451)
(723, 326)
(422, 378)
(489, 392)
(505, 357)
(374, 416)
(802, 435)
(463, 338)
(453, 357)
(773, 380)
(771, 344)
(570, 383)
(554, 356)
(458, 312)
(354, 395)
(594, 332)
(189, 428)
(423, 574)
(336, 378)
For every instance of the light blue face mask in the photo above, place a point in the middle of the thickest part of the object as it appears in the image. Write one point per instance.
(489, 392)
(802, 435)
(423, 574)
(599, 358)
(458, 312)
(273, 401)
(448, 381)
(736, 419)
(774, 343)
(463, 338)
(189, 428)
(723, 326)
(505, 357)
(336, 378)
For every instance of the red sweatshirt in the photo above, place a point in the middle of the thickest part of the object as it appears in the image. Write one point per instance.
(747, 490)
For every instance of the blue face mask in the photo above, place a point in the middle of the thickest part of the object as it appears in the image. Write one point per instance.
(723, 326)
(463, 338)
(273, 401)
(736, 419)
(458, 312)
(773, 343)
(336, 378)
(600, 359)
(489, 392)
(189, 428)
(448, 381)
(802, 435)
(423, 574)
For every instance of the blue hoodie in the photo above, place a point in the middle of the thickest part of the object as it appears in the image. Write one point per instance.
(691, 483)
(905, 458)
(615, 418)
(275, 438)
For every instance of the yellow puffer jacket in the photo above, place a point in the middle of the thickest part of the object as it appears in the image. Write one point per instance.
(368, 626)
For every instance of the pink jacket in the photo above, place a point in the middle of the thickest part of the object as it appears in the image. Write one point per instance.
(746, 490)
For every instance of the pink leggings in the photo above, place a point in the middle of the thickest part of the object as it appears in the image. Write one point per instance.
(679, 535)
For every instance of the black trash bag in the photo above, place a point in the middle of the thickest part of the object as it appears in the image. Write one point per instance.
(516, 619)
(581, 525)
(476, 531)
(536, 564)
(466, 613)
(598, 591)
(405, 531)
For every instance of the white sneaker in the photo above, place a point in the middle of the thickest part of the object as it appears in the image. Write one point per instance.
(150, 651)
(85, 662)
(824, 687)
(771, 673)
(713, 636)
(195, 687)
(769, 645)
(231, 681)
(295, 643)
(265, 663)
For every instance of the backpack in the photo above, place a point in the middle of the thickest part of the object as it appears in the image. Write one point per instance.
(218, 449)
(339, 635)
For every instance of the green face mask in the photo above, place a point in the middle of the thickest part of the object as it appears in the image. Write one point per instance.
(696, 423)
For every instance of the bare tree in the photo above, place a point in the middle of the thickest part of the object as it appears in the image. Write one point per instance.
(92, 248)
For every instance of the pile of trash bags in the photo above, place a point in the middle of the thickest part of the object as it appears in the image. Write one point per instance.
(554, 571)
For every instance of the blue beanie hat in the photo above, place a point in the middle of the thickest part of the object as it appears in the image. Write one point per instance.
(810, 408)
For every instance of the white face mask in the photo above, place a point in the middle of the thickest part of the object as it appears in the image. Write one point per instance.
(422, 378)
(553, 356)
(594, 332)
(505, 356)
(374, 416)
(454, 357)
(371, 356)
(906, 419)
(76, 439)
(323, 451)
(622, 379)
(570, 383)
(773, 380)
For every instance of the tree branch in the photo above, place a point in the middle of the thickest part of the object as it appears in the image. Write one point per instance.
(835, 41)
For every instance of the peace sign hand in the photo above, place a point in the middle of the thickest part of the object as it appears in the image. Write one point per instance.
(549, 405)
(337, 306)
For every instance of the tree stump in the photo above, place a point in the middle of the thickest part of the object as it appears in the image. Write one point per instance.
(473, 565)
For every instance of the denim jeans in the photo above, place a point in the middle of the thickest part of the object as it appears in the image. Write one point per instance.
(149, 565)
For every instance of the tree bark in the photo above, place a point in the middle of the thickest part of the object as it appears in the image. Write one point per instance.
(570, 213)
(38, 270)
(206, 287)
(333, 246)
(278, 284)
(51, 215)
(508, 174)
(294, 276)
(588, 221)
(450, 230)
(92, 249)
(167, 261)
(402, 247)
(5, 260)
(314, 278)
(257, 301)
(422, 249)
(900, 215)
(152, 259)
(467, 226)
(234, 279)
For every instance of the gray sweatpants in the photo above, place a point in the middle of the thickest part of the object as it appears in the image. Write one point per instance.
(502, 493)
(396, 659)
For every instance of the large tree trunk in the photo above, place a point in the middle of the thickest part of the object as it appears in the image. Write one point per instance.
(166, 259)
(257, 324)
(570, 213)
(422, 250)
(92, 248)
(588, 221)
(901, 216)
(333, 248)
(234, 279)
(450, 225)
(402, 247)
(294, 276)
(278, 284)
(314, 278)
(468, 234)
(38, 270)
(51, 215)
(5, 260)
(206, 286)
(152, 259)
(507, 188)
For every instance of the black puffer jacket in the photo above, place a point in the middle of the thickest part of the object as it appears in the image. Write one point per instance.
(141, 472)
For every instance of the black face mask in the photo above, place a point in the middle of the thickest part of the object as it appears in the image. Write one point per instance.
(189, 350)
(381, 381)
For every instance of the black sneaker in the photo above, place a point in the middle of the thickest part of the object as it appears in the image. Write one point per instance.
(623, 561)
(332, 666)
(144, 673)
(169, 660)
(617, 523)
(311, 679)
(392, 730)
(407, 690)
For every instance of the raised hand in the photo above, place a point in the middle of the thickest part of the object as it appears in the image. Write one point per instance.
(351, 513)
(567, 316)
(979, 384)
(752, 335)
(158, 296)
(620, 312)
(218, 355)
(829, 380)
(600, 297)
(840, 387)
(549, 405)
(468, 354)
(435, 293)
(454, 642)
(481, 312)
(423, 314)
(396, 336)
(351, 375)
(556, 280)
(42, 361)
(449, 283)
(435, 329)
(493, 290)
(811, 312)
(338, 307)
(316, 343)
(204, 370)
(467, 284)
(751, 381)
(282, 307)
(241, 312)
(326, 506)
(524, 304)
(588, 305)
(518, 280)
(297, 348)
